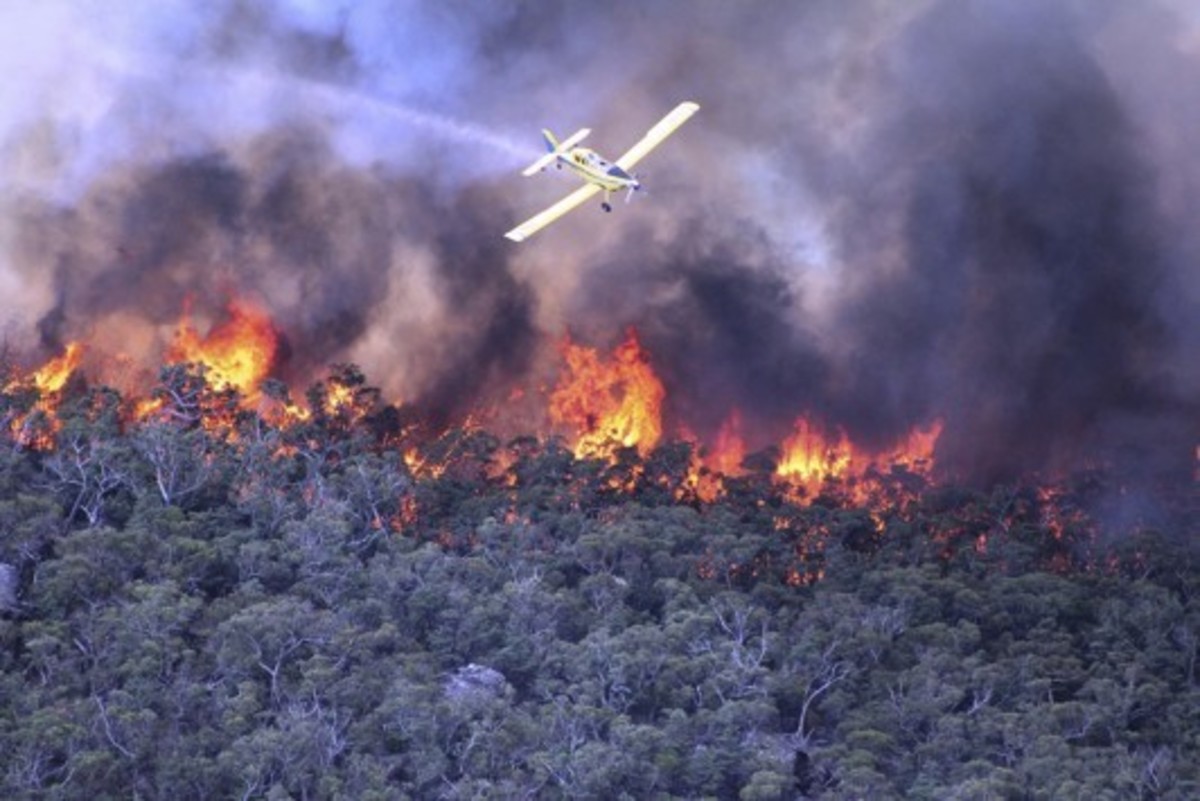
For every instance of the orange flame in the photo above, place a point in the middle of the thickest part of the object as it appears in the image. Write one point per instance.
(916, 451)
(53, 375)
(609, 403)
(810, 455)
(706, 474)
(237, 352)
(48, 380)
(729, 450)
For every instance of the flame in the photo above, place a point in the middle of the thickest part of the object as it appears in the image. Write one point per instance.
(605, 402)
(28, 429)
(702, 483)
(705, 479)
(339, 396)
(51, 377)
(237, 352)
(810, 457)
(915, 452)
(609, 403)
(726, 454)
(143, 408)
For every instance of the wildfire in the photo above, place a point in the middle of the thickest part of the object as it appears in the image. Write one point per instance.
(610, 403)
(51, 377)
(712, 464)
(237, 352)
(37, 427)
(916, 451)
(726, 454)
(811, 455)
(605, 402)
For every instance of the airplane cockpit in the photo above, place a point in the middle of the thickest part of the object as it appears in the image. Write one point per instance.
(599, 174)
(590, 158)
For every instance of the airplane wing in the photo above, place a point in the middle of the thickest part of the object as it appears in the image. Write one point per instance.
(540, 221)
(661, 130)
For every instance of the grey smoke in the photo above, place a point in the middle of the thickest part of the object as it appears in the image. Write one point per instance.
(884, 214)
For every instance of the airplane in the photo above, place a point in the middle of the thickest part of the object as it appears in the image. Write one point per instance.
(600, 175)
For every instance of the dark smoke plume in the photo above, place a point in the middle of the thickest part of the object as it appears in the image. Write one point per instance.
(980, 211)
(311, 239)
(1028, 307)
(1006, 264)
(721, 325)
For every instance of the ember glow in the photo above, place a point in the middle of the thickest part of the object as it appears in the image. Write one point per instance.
(727, 452)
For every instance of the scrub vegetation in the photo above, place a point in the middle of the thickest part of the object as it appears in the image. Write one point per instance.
(206, 604)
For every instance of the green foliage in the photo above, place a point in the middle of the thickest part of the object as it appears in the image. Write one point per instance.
(329, 609)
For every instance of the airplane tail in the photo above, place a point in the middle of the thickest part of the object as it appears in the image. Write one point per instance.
(554, 148)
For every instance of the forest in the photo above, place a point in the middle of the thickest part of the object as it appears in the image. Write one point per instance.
(202, 600)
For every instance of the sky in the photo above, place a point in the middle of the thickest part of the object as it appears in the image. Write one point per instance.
(978, 211)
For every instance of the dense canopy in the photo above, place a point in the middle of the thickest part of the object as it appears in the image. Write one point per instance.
(208, 604)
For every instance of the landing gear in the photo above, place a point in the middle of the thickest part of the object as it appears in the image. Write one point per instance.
(606, 206)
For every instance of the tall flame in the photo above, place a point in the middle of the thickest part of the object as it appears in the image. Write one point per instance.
(809, 456)
(712, 464)
(610, 403)
(51, 376)
(237, 352)
(48, 380)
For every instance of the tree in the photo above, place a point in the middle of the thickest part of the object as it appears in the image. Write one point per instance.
(267, 640)
(182, 461)
(91, 463)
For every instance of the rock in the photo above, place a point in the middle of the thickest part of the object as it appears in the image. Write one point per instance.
(474, 682)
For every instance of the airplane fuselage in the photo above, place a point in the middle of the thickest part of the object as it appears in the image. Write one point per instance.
(598, 173)
(591, 167)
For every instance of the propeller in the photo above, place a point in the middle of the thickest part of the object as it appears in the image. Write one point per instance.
(637, 187)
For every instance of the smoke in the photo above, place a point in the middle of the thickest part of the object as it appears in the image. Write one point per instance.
(1005, 262)
(1023, 289)
(293, 228)
(978, 211)
(723, 327)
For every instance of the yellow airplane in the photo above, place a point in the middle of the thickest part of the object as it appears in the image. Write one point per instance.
(599, 174)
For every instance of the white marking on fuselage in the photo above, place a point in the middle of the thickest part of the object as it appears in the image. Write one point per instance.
(588, 164)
